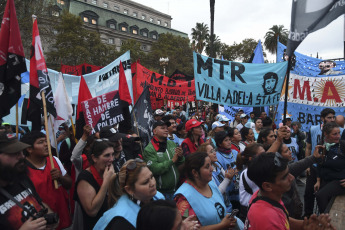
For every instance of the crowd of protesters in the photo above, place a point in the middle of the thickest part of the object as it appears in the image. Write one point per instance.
(199, 171)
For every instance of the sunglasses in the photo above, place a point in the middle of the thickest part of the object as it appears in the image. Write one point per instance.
(131, 166)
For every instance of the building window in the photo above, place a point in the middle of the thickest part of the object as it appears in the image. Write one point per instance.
(151, 19)
(123, 28)
(143, 47)
(122, 42)
(89, 17)
(143, 17)
(166, 24)
(94, 22)
(144, 33)
(112, 26)
(158, 22)
(125, 11)
(85, 19)
(55, 13)
(62, 2)
(94, 2)
(105, 4)
(134, 31)
(111, 40)
(135, 14)
(116, 8)
(154, 36)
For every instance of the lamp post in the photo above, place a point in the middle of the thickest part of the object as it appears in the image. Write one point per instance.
(164, 62)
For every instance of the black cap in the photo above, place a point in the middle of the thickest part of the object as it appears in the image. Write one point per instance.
(111, 133)
(9, 143)
(160, 123)
(219, 137)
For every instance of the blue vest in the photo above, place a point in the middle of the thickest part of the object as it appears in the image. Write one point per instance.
(125, 208)
(218, 179)
(226, 161)
(293, 146)
(315, 137)
(208, 210)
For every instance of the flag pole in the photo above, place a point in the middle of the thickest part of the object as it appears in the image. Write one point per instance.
(52, 125)
(287, 87)
(73, 129)
(135, 122)
(17, 123)
(48, 140)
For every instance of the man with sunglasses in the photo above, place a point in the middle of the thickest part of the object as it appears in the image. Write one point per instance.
(163, 158)
(270, 172)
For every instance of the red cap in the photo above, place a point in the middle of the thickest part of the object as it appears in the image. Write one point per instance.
(192, 123)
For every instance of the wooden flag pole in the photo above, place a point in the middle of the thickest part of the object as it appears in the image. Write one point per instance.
(17, 123)
(47, 132)
(73, 129)
(52, 124)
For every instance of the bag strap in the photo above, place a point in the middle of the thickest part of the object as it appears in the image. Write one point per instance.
(9, 196)
(246, 185)
(272, 202)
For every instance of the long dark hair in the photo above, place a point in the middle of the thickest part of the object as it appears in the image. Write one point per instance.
(327, 129)
(194, 161)
(243, 158)
(97, 148)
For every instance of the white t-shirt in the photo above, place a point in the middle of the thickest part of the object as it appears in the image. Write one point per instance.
(244, 196)
(62, 169)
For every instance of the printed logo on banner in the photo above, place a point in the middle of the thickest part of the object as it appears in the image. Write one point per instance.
(237, 84)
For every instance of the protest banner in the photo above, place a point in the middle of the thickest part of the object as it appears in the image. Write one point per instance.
(230, 111)
(308, 96)
(238, 84)
(103, 110)
(162, 87)
(79, 69)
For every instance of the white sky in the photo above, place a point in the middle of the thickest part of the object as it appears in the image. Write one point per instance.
(236, 20)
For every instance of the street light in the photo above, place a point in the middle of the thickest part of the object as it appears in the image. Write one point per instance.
(164, 62)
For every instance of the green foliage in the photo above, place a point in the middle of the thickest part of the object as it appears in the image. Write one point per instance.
(272, 35)
(176, 48)
(75, 45)
(200, 34)
(134, 47)
(241, 52)
(217, 46)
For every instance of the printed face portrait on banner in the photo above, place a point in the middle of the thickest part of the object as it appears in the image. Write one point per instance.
(270, 83)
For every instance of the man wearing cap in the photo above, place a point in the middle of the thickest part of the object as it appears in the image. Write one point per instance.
(217, 126)
(115, 137)
(15, 182)
(236, 121)
(163, 158)
(288, 120)
(158, 114)
(42, 174)
(193, 140)
(180, 115)
(244, 120)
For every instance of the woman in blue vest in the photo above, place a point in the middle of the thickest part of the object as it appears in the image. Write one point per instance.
(131, 188)
(199, 195)
(331, 172)
(227, 159)
(291, 143)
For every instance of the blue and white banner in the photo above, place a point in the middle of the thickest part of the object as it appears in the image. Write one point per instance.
(308, 96)
(230, 111)
(99, 82)
(238, 84)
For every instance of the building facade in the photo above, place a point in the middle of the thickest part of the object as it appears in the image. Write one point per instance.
(119, 20)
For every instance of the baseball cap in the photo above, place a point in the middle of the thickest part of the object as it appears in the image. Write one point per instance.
(244, 116)
(9, 143)
(111, 133)
(219, 137)
(192, 123)
(217, 124)
(223, 118)
(160, 123)
(158, 112)
(287, 117)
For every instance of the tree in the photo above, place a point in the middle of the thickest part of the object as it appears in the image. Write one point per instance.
(272, 35)
(199, 36)
(135, 49)
(241, 52)
(176, 48)
(75, 45)
(217, 46)
(212, 51)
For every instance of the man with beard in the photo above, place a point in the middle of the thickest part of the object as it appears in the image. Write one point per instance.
(15, 182)
(172, 129)
(163, 158)
(42, 174)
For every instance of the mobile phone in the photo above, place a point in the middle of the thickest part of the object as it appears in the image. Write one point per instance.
(233, 213)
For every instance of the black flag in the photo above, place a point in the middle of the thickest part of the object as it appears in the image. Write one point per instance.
(142, 117)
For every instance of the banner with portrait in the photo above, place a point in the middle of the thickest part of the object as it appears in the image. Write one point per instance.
(238, 84)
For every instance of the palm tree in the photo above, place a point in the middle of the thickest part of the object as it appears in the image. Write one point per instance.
(212, 53)
(216, 46)
(272, 36)
(199, 36)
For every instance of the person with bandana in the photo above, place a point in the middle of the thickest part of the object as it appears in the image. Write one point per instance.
(163, 158)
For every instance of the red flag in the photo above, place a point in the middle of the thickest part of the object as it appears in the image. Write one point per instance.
(123, 86)
(39, 79)
(84, 94)
(12, 60)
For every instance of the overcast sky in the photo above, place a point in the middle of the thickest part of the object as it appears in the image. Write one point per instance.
(236, 20)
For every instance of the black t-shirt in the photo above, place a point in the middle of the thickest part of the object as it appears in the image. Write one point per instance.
(11, 215)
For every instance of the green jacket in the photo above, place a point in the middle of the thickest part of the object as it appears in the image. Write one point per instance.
(162, 167)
